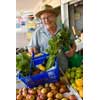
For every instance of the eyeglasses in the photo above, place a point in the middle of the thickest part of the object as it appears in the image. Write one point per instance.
(48, 17)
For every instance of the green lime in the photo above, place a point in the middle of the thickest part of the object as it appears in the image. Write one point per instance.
(68, 70)
(72, 74)
(73, 69)
(78, 70)
(68, 75)
(72, 81)
(73, 85)
(78, 75)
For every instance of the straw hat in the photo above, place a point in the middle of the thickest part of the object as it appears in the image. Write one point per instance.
(46, 8)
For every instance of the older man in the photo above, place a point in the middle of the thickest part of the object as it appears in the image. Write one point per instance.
(42, 34)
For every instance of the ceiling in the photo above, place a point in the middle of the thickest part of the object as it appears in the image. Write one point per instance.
(27, 5)
(33, 5)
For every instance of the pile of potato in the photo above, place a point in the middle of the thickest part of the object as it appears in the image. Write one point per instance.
(49, 91)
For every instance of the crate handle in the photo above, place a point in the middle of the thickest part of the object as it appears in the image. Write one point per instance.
(33, 55)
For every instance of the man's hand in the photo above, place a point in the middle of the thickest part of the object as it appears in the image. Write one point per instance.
(70, 53)
(32, 50)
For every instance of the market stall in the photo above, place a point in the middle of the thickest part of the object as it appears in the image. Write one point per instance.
(43, 68)
(39, 76)
(45, 84)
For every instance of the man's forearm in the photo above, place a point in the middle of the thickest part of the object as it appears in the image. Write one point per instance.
(74, 46)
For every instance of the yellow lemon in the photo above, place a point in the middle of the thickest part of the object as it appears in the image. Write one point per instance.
(41, 67)
(81, 93)
(79, 82)
(39, 54)
(79, 88)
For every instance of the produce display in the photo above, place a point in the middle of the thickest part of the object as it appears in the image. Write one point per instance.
(48, 91)
(55, 92)
(23, 63)
(36, 73)
(23, 60)
(75, 77)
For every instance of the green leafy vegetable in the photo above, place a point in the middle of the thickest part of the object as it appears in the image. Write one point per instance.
(56, 44)
(23, 63)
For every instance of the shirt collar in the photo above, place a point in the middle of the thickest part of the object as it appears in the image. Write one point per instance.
(47, 32)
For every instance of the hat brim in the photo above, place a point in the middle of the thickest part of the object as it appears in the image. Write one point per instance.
(43, 11)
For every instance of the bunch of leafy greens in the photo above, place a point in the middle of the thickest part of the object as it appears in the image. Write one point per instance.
(56, 44)
(23, 63)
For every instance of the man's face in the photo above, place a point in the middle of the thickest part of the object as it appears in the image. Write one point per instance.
(48, 19)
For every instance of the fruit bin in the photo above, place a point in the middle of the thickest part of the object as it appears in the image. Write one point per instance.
(71, 89)
(51, 75)
(44, 92)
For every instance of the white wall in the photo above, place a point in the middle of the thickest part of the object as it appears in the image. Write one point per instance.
(33, 5)
(27, 5)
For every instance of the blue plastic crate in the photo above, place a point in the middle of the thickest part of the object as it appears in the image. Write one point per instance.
(40, 59)
(51, 75)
